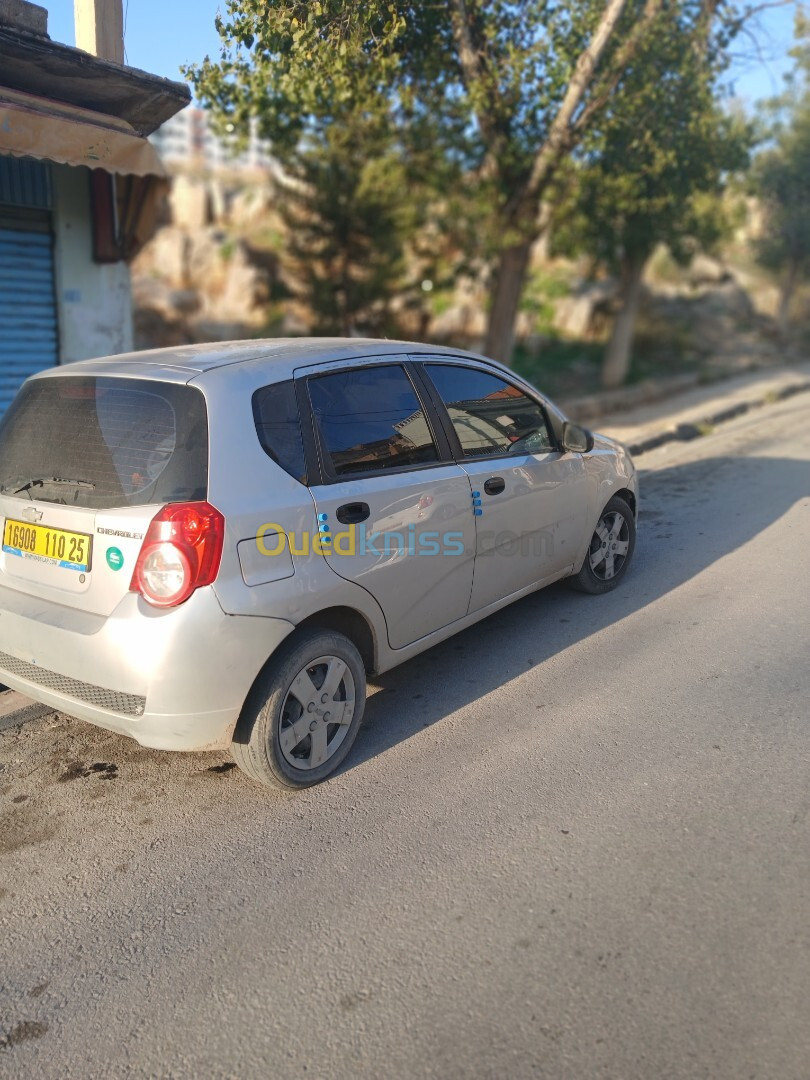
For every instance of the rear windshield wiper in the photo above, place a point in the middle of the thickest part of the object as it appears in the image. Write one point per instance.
(47, 481)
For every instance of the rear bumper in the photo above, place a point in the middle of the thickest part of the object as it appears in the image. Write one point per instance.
(172, 680)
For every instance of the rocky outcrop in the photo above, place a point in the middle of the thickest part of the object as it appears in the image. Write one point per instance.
(574, 315)
(703, 270)
(213, 272)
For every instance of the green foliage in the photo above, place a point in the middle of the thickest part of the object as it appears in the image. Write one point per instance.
(285, 62)
(268, 237)
(560, 367)
(343, 201)
(781, 174)
(653, 169)
(469, 129)
(441, 301)
(543, 287)
(456, 103)
(364, 221)
(294, 70)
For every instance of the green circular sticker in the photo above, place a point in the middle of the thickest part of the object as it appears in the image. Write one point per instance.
(115, 558)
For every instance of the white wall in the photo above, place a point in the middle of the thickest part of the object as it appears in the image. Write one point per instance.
(94, 301)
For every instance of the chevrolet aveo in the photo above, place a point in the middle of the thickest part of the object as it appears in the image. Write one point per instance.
(210, 546)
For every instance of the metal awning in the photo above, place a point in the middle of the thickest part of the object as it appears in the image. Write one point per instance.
(36, 65)
(37, 127)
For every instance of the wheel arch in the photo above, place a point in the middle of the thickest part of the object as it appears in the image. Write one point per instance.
(350, 622)
(629, 497)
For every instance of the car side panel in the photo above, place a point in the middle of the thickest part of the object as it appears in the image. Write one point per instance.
(270, 518)
(416, 556)
(253, 491)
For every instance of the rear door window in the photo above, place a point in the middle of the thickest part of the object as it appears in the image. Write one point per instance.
(103, 442)
(370, 420)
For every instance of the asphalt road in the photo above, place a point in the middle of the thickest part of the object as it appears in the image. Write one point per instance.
(572, 842)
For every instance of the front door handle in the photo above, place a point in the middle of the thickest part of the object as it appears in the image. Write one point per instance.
(352, 513)
(495, 485)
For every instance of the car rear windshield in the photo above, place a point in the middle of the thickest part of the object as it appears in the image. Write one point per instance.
(104, 442)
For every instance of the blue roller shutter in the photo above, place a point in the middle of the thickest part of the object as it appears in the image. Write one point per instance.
(28, 332)
(28, 329)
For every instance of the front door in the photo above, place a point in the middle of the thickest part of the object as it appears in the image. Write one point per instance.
(394, 516)
(530, 494)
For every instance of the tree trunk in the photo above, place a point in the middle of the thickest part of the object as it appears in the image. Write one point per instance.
(510, 278)
(617, 355)
(562, 135)
(785, 297)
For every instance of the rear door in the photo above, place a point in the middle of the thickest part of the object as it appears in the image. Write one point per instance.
(395, 514)
(85, 464)
(531, 495)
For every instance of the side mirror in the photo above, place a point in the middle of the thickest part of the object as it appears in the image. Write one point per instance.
(576, 439)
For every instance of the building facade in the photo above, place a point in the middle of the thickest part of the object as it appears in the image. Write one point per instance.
(79, 190)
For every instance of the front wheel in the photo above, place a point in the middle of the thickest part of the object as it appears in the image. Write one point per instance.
(303, 714)
(610, 550)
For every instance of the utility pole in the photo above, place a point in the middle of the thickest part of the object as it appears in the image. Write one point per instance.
(100, 28)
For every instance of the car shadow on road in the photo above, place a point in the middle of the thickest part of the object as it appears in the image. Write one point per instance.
(692, 515)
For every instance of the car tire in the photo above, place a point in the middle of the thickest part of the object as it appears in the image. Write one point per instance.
(609, 551)
(303, 714)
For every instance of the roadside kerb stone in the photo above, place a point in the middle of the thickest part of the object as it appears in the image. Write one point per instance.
(695, 429)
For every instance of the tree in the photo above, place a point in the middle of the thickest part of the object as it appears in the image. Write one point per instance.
(337, 200)
(342, 177)
(500, 88)
(652, 171)
(781, 179)
(529, 74)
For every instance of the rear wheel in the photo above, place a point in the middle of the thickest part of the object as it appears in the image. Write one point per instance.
(610, 550)
(303, 714)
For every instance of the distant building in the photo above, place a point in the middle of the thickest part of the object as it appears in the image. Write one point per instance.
(187, 141)
(79, 186)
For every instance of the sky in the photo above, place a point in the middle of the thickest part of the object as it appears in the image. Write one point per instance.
(160, 35)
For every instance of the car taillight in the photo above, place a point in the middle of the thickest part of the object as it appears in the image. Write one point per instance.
(180, 552)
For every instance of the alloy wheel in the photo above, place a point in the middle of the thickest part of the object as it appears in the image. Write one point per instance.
(609, 546)
(317, 712)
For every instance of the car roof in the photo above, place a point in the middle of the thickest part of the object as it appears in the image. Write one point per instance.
(286, 358)
(185, 362)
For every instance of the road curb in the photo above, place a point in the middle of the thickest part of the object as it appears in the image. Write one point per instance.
(695, 429)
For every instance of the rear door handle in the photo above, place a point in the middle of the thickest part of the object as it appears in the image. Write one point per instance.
(352, 513)
(495, 485)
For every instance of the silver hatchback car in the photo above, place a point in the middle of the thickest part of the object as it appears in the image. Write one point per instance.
(211, 545)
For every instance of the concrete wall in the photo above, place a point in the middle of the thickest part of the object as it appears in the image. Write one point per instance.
(94, 301)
